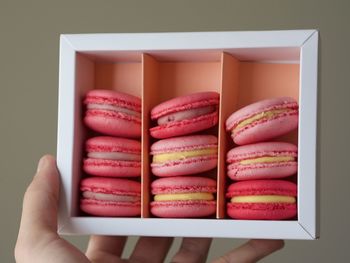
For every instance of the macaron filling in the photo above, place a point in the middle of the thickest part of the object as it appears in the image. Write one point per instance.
(184, 197)
(110, 197)
(161, 158)
(263, 199)
(257, 117)
(267, 159)
(115, 156)
(109, 107)
(185, 115)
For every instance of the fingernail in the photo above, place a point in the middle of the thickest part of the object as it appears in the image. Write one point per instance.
(41, 164)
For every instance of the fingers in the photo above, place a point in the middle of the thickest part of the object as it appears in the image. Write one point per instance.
(252, 251)
(193, 250)
(103, 248)
(151, 249)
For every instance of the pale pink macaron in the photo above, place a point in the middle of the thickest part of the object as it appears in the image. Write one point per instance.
(263, 120)
(265, 160)
(184, 155)
(185, 115)
(112, 157)
(113, 113)
(262, 200)
(181, 197)
(102, 196)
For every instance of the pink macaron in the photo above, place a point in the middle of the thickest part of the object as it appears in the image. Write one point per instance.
(113, 113)
(262, 200)
(110, 197)
(265, 160)
(112, 157)
(184, 155)
(181, 197)
(263, 120)
(185, 115)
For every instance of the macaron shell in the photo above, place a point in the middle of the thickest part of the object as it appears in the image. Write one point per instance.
(183, 209)
(257, 107)
(112, 168)
(113, 97)
(183, 143)
(262, 187)
(187, 184)
(266, 129)
(261, 211)
(101, 208)
(267, 170)
(191, 101)
(262, 171)
(111, 186)
(185, 127)
(112, 144)
(113, 123)
(261, 149)
(185, 167)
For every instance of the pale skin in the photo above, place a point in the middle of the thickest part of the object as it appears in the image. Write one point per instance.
(38, 240)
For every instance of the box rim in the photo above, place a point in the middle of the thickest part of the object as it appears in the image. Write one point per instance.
(70, 44)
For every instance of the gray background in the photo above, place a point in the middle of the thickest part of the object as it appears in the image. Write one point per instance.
(29, 44)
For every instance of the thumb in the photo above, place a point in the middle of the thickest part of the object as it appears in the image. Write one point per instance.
(39, 215)
(38, 240)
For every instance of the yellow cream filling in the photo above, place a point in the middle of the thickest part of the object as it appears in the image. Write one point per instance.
(268, 160)
(164, 157)
(266, 114)
(263, 199)
(184, 196)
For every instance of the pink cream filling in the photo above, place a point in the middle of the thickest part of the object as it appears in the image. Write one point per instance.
(110, 197)
(94, 106)
(186, 114)
(115, 156)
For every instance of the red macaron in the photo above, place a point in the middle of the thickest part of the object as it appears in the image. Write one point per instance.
(185, 115)
(265, 160)
(183, 197)
(184, 155)
(110, 197)
(113, 113)
(262, 200)
(112, 157)
(263, 120)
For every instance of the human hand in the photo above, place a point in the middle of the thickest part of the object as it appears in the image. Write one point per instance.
(38, 240)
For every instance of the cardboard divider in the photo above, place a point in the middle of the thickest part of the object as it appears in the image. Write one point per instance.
(228, 104)
(150, 75)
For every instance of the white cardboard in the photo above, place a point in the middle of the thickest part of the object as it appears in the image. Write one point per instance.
(275, 46)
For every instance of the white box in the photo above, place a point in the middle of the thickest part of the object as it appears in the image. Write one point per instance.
(236, 64)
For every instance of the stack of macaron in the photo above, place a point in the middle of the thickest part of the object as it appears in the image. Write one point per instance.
(259, 162)
(181, 156)
(112, 156)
